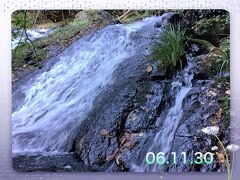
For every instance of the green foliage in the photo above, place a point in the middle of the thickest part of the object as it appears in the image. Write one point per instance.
(226, 111)
(78, 23)
(213, 25)
(171, 47)
(218, 59)
(63, 34)
(18, 19)
(224, 99)
(225, 55)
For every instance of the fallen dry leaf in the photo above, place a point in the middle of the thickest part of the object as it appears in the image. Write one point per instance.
(221, 157)
(228, 92)
(149, 69)
(128, 136)
(122, 140)
(111, 157)
(129, 145)
(219, 113)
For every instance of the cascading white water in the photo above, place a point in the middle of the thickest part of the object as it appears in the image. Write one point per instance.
(58, 100)
(33, 34)
(164, 138)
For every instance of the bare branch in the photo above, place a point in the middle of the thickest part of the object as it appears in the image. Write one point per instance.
(25, 31)
(124, 15)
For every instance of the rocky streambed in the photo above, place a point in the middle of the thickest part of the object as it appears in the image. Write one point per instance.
(132, 108)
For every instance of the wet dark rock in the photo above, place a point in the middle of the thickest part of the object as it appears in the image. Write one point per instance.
(32, 62)
(156, 74)
(197, 49)
(200, 72)
(121, 114)
(132, 112)
(50, 163)
(115, 21)
(158, 25)
(95, 16)
(199, 110)
(175, 19)
(166, 19)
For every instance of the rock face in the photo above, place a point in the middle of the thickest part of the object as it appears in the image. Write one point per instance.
(125, 110)
(120, 115)
(52, 163)
(202, 108)
(129, 112)
(94, 15)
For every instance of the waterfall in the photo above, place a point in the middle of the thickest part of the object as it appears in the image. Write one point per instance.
(163, 139)
(58, 100)
(33, 34)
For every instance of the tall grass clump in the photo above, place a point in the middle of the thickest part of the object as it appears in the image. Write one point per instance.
(218, 59)
(225, 55)
(170, 50)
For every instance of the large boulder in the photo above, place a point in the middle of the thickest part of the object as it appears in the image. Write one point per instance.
(94, 15)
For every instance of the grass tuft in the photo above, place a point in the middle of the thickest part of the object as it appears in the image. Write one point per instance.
(218, 59)
(171, 48)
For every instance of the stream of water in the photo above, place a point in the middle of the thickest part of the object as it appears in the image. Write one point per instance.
(163, 139)
(33, 34)
(58, 100)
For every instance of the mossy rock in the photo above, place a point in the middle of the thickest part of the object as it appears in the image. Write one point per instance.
(93, 15)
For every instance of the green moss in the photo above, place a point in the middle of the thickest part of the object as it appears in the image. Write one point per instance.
(23, 51)
(61, 36)
(207, 45)
(171, 48)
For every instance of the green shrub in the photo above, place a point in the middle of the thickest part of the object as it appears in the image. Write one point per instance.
(215, 25)
(218, 59)
(225, 55)
(170, 50)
